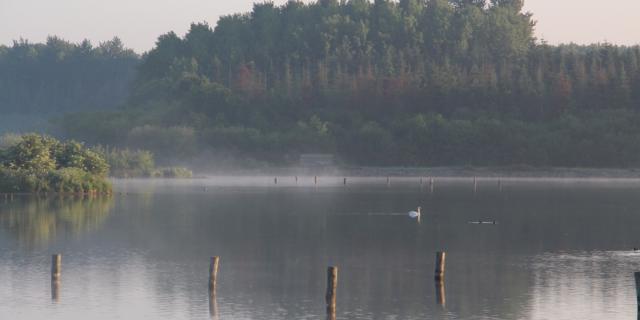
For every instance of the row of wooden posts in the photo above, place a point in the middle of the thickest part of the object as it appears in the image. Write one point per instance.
(330, 296)
(332, 283)
(431, 182)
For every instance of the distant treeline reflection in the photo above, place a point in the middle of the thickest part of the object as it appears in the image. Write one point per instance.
(36, 220)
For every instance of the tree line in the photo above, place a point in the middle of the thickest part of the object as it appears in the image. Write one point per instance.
(409, 82)
(58, 76)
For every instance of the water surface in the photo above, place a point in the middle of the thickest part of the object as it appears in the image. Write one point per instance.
(561, 249)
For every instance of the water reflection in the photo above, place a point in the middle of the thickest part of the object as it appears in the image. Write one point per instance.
(331, 314)
(36, 220)
(213, 305)
(441, 297)
(55, 289)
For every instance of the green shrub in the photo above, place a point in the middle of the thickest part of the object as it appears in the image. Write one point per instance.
(68, 180)
(39, 163)
(11, 180)
(126, 163)
(8, 140)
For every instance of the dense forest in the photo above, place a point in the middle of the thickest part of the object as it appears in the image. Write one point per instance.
(414, 82)
(59, 76)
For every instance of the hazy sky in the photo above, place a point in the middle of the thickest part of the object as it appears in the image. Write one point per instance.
(139, 22)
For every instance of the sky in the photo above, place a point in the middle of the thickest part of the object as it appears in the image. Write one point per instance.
(139, 22)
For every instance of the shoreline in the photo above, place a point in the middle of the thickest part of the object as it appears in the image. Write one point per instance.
(436, 172)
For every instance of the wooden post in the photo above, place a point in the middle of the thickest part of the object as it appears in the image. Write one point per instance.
(345, 181)
(56, 274)
(500, 185)
(388, 181)
(440, 265)
(213, 305)
(475, 185)
(56, 266)
(637, 276)
(275, 180)
(315, 180)
(213, 274)
(296, 179)
(332, 287)
(55, 290)
(431, 185)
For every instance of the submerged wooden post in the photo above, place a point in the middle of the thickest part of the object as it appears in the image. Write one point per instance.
(213, 274)
(332, 288)
(440, 265)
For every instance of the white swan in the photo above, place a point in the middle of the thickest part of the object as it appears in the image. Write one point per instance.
(415, 214)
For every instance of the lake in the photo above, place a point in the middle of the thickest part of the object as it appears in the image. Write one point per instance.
(560, 249)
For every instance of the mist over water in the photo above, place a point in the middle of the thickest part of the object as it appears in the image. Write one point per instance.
(562, 249)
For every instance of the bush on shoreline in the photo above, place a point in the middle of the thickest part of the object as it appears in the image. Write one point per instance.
(127, 163)
(37, 163)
